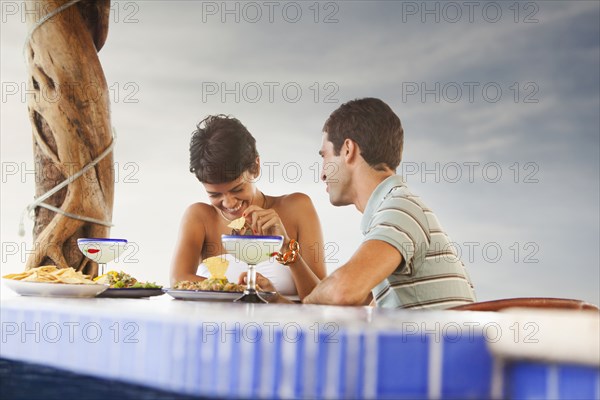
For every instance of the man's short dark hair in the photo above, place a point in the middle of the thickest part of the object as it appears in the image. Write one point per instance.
(373, 125)
(221, 149)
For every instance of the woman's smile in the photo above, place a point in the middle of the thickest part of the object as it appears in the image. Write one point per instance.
(233, 210)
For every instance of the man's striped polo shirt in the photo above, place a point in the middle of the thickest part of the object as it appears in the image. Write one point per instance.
(430, 275)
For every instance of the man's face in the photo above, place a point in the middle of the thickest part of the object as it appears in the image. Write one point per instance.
(334, 174)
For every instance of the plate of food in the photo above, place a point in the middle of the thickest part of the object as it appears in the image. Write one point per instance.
(211, 289)
(123, 285)
(203, 295)
(215, 288)
(51, 281)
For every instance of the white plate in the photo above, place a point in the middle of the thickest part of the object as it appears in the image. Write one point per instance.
(43, 289)
(131, 293)
(207, 295)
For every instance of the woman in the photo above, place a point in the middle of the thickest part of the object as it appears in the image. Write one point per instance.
(224, 158)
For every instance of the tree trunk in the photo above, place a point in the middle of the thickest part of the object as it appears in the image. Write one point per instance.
(70, 118)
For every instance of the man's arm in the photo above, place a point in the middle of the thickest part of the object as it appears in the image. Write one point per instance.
(351, 284)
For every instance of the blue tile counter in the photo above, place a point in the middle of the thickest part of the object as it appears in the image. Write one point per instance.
(528, 380)
(296, 351)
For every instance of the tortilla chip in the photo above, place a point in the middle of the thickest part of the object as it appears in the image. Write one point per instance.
(51, 274)
(237, 224)
(217, 266)
(17, 277)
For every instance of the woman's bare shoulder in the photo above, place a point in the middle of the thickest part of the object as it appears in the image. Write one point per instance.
(200, 211)
(294, 201)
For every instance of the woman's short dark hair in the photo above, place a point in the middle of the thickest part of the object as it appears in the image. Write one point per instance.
(373, 125)
(221, 149)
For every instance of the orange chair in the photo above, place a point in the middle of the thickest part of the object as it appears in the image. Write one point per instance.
(527, 302)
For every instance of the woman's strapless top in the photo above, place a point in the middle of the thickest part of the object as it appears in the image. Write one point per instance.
(279, 275)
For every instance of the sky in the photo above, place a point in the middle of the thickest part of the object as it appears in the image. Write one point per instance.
(499, 103)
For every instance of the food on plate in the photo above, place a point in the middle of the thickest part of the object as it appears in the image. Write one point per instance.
(52, 274)
(211, 284)
(121, 280)
(217, 266)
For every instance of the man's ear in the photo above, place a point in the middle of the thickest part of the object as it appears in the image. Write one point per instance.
(350, 150)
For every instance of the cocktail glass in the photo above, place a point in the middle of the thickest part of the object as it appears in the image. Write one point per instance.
(101, 250)
(251, 250)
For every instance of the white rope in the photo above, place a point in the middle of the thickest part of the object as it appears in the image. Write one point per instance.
(39, 202)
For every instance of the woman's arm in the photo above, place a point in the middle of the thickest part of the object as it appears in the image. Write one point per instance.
(299, 213)
(188, 250)
(309, 268)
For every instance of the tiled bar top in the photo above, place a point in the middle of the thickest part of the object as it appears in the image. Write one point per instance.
(297, 351)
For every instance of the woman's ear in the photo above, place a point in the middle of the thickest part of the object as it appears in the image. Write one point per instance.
(257, 167)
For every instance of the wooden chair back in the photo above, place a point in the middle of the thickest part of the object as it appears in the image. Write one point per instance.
(528, 302)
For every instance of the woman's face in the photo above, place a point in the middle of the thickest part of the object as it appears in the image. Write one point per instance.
(232, 198)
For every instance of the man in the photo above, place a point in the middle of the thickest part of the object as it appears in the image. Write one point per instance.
(405, 259)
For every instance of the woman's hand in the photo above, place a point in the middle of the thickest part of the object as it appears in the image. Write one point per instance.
(265, 222)
(262, 282)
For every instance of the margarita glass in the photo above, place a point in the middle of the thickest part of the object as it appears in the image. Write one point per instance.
(251, 250)
(101, 250)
